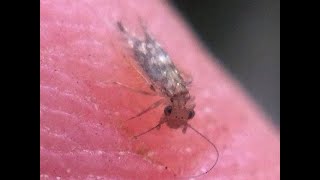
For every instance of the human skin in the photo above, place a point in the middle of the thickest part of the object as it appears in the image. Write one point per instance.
(83, 129)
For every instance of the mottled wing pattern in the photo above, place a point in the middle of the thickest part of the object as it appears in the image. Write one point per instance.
(158, 66)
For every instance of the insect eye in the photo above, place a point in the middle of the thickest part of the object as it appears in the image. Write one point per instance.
(191, 114)
(168, 110)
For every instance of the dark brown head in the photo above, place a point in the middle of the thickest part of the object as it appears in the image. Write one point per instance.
(178, 112)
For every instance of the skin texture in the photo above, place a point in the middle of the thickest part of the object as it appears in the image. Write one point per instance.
(83, 129)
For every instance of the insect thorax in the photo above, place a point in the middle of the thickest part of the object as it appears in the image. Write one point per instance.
(182, 100)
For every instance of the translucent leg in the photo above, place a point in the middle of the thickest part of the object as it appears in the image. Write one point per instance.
(152, 106)
(184, 129)
(155, 127)
(133, 89)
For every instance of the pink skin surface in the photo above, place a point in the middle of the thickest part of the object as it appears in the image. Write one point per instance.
(83, 132)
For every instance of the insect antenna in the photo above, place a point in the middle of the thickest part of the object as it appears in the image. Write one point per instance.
(211, 143)
(214, 146)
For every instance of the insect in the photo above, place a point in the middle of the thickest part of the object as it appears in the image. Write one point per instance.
(165, 81)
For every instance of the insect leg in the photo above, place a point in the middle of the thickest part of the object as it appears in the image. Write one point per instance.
(188, 79)
(184, 129)
(188, 82)
(155, 127)
(152, 106)
(162, 120)
(133, 89)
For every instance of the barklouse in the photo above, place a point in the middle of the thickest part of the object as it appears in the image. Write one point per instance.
(165, 80)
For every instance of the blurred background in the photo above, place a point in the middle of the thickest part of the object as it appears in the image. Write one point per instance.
(245, 36)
